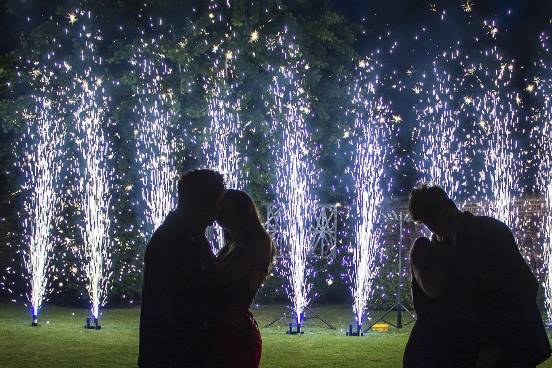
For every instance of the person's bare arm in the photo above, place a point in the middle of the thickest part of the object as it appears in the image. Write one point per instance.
(236, 264)
(208, 258)
(223, 251)
(429, 266)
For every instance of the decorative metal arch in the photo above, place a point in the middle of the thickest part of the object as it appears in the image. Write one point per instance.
(324, 229)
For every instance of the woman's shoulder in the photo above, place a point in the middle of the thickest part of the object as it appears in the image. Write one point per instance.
(259, 237)
(262, 248)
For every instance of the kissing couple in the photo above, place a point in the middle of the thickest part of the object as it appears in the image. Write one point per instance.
(195, 304)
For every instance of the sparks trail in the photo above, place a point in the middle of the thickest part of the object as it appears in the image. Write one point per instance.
(43, 148)
(95, 171)
(496, 115)
(155, 145)
(224, 133)
(370, 150)
(438, 149)
(294, 153)
(542, 138)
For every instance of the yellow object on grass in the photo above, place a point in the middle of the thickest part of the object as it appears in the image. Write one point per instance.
(380, 327)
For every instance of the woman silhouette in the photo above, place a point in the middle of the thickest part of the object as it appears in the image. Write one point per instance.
(237, 272)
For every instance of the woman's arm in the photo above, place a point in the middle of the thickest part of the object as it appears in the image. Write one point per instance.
(429, 265)
(236, 264)
(214, 263)
(208, 258)
(226, 247)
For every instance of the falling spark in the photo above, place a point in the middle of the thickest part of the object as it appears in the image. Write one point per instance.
(491, 27)
(467, 6)
(72, 18)
(183, 42)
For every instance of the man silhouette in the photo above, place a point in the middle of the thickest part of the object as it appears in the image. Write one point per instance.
(477, 288)
(174, 296)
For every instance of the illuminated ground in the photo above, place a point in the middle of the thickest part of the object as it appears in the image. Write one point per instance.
(64, 343)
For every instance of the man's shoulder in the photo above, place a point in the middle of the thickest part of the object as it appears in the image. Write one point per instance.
(488, 223)
(495, 234)
(171, 226)
(165, 234)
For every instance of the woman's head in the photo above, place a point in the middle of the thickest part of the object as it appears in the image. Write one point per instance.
(238, 214)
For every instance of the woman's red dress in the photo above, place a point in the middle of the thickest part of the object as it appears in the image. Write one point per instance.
(236, 341)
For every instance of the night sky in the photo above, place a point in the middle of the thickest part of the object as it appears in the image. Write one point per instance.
(404, 18)
(385, 22)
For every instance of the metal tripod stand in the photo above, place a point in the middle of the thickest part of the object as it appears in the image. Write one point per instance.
(400, 216)
(307, 314)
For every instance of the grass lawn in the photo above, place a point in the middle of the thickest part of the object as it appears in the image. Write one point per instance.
(61, 341)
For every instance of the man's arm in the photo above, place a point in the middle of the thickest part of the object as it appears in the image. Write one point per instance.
(429, 265)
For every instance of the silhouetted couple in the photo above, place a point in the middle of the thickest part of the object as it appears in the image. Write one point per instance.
(195, 305)
(474, 295)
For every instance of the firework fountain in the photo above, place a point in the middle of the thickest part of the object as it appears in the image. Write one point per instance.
(438, 153)
(544, 180)
(42, 143)
(543, 138)
(370, 151)
(224, 131)
(152, 129)
(500, 158)
(287, 104)
(498, 121)
(438, 124)
(94, 150)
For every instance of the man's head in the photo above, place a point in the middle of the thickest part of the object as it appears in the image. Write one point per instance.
(199, 192)
(432, 206)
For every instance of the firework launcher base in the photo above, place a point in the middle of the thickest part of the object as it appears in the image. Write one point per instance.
(357, 332)
(296, 328)
(296, 331)
(398, 307)
(92, 326)
(35, 321)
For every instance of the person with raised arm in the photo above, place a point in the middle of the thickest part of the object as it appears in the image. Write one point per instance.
(474, 294)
